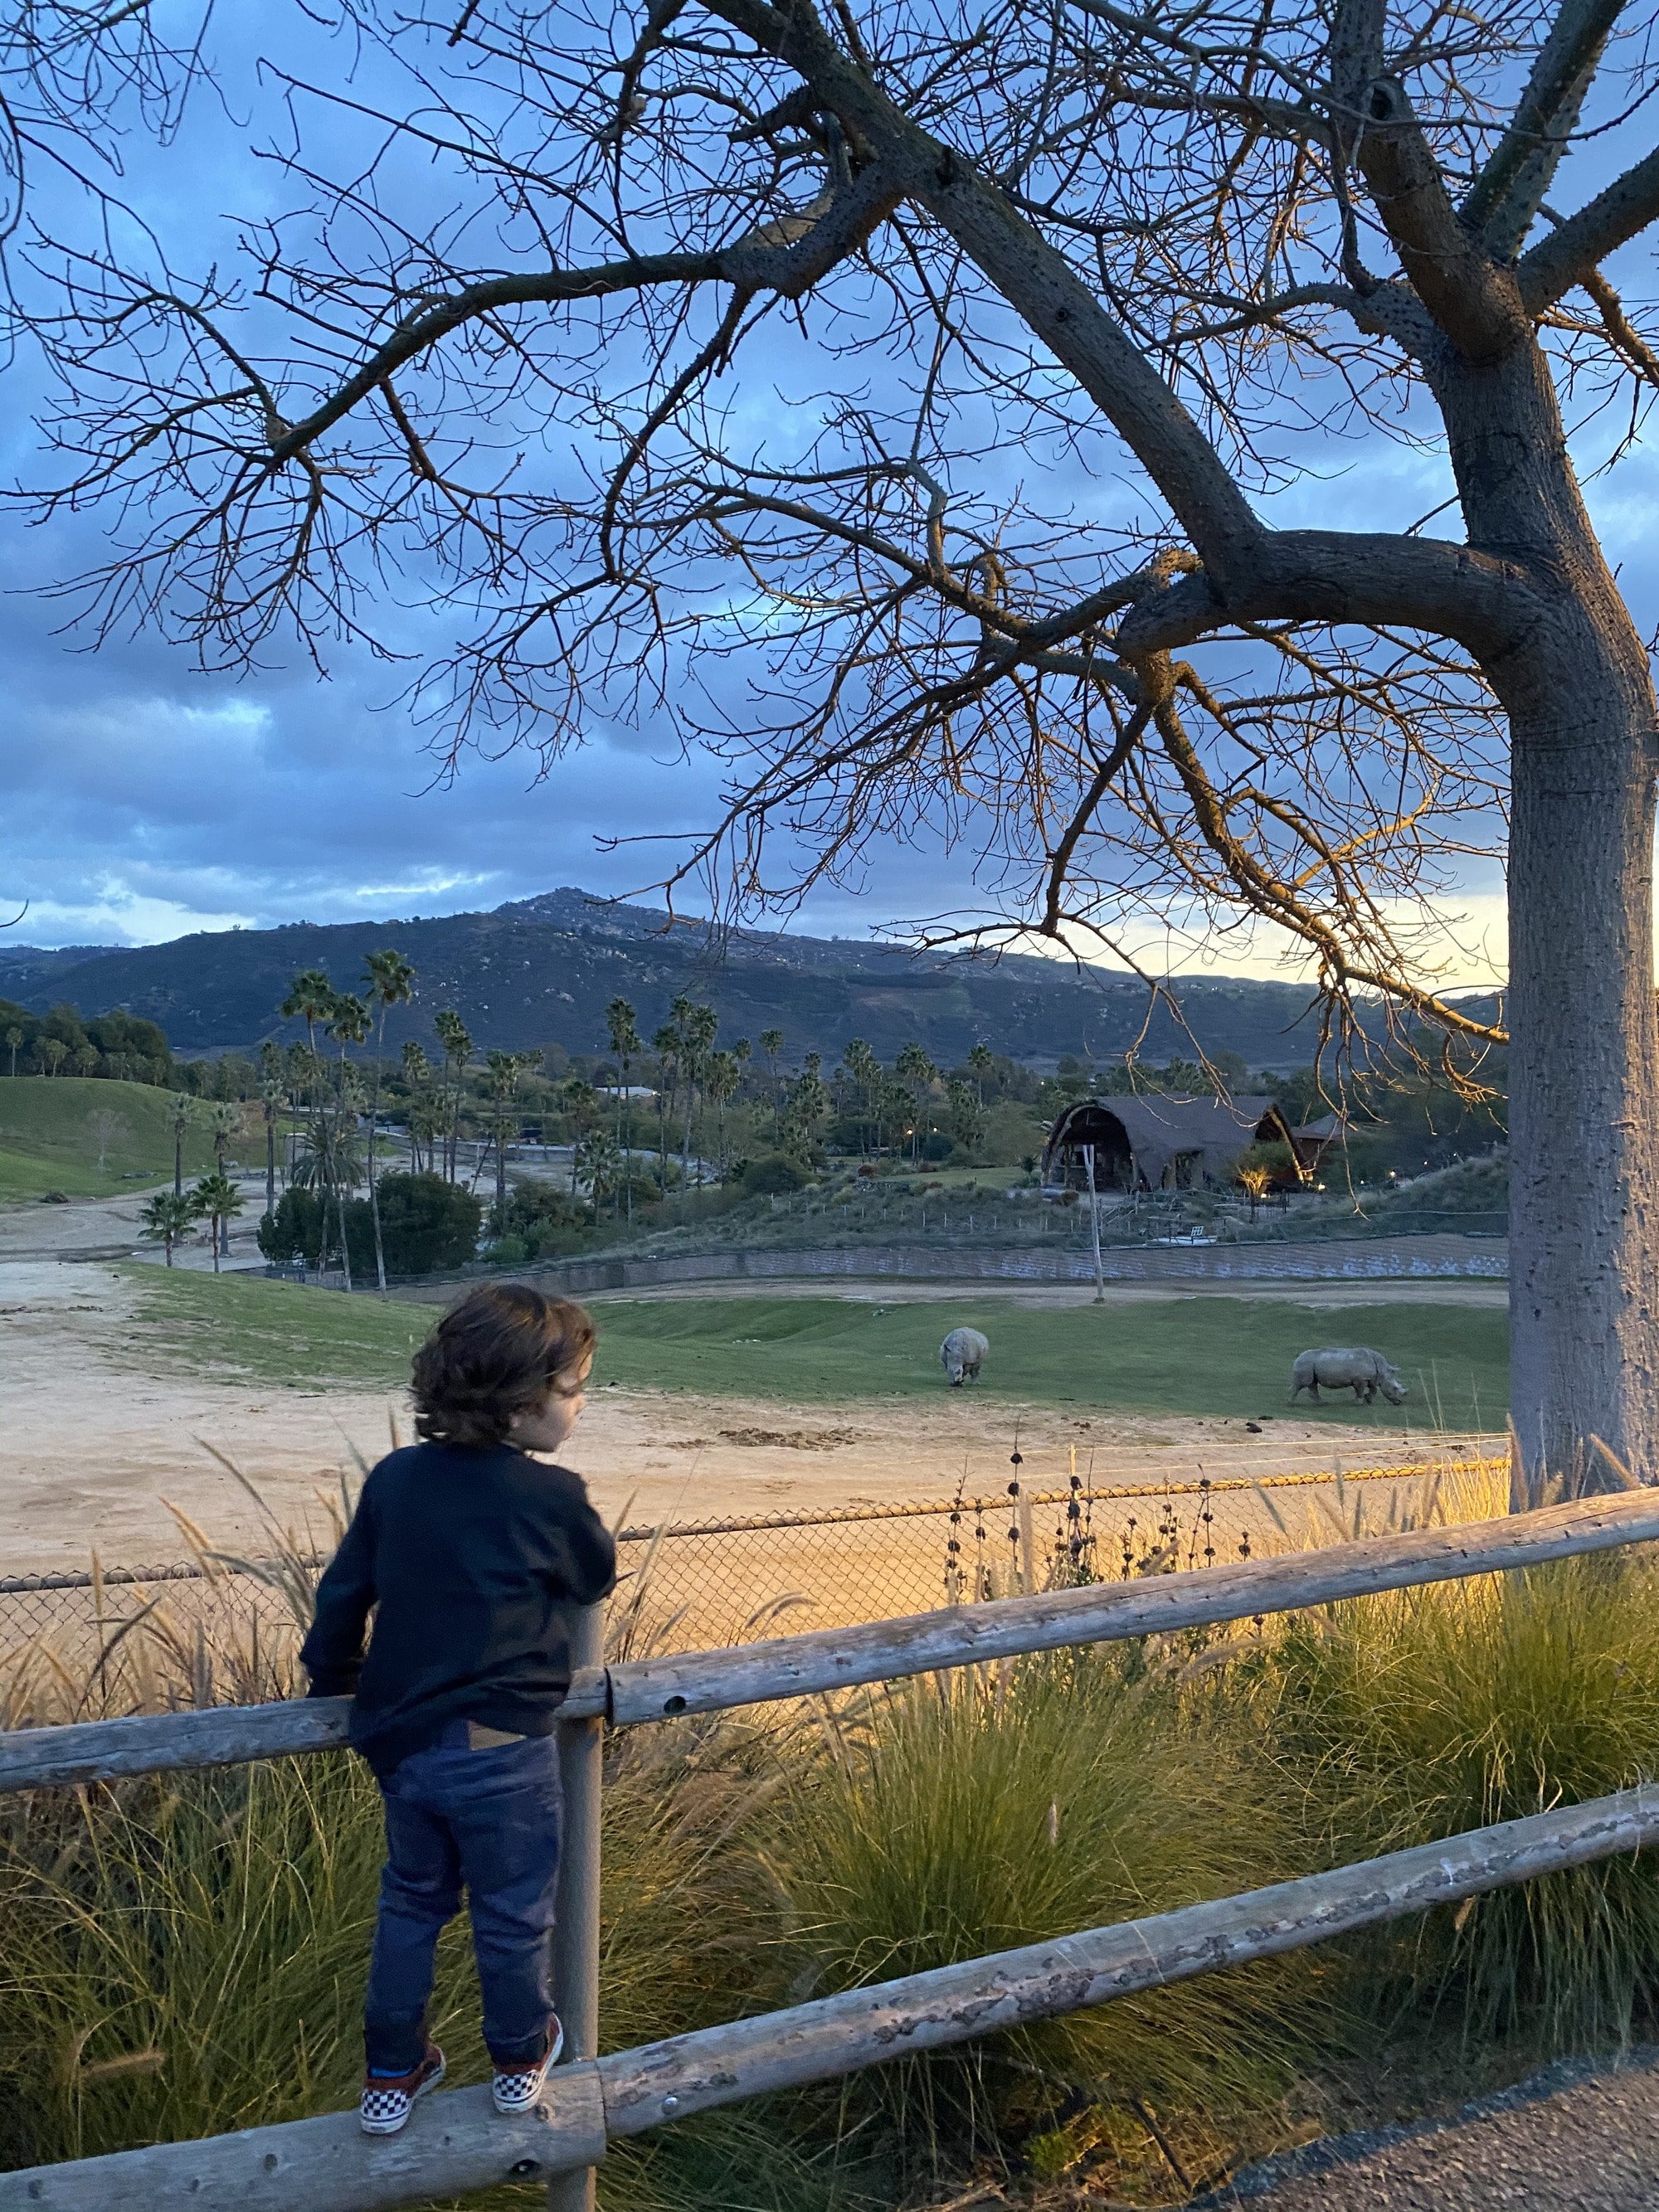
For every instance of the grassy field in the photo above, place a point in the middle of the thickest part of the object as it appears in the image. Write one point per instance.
(54, 1131)
(1203, 1356)
(279, 1332)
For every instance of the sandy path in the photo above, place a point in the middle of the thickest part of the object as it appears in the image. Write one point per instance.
(35, 1231)
(89, 1449)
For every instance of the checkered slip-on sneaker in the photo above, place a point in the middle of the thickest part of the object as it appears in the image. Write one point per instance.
(519, 2089)
(389, 2099)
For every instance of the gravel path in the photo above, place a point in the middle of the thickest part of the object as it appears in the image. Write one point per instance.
(1578, 2137)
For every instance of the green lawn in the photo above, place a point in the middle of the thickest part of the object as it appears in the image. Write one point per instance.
(54, 1130)
(1206, 1355)
(280, 1333)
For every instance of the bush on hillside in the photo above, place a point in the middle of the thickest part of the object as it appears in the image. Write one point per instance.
(295, 1232)
(425, 1224)
(773, 1175)
(539, 1221)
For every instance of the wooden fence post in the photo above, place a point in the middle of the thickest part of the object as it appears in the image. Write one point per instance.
(576, 1929)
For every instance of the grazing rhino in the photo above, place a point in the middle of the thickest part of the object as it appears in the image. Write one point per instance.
(1355, 1367)
(962, 1355)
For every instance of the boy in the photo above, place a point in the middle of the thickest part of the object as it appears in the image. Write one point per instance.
(472, 1552)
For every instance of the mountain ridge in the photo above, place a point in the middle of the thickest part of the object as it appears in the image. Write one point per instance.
(541, 971)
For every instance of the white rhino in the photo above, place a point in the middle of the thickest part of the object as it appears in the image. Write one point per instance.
(960, 1355)
(1353, 1367)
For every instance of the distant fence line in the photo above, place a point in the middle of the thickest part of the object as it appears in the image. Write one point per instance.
(716, 1577)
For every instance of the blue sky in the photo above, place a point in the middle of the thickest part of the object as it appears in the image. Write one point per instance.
(140, 799)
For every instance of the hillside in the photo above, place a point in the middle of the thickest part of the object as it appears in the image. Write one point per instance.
(542, 970)
(53, 1134)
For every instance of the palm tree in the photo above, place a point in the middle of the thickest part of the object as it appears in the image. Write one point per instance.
(181, 1117)
(311, 999)
(223, 1120)
(666, 1046)
(505, 1069)
(600, 1162)
(51, 1052)
(771, 1043)
(721, 1078)
(865, 1069)
(453, 1036)
(347, 1024)
(916, 1071)
(622, 1027)
(580, 1102)
(270, 1102)
(417, 1082)
(14, 1045)
(217, 1197)
(981, 1059)
(164, 1219)
(696, 1028)
(390, 982)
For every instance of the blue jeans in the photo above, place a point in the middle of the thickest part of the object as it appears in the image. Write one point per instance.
(488, 1819)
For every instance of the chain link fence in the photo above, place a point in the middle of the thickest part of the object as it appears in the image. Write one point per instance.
(707, 1582)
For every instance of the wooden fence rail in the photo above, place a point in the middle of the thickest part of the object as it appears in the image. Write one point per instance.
(456, 2143)
(841, 1658)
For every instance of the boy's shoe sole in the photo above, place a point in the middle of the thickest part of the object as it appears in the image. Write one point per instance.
(386, 2106)
(518, 2089)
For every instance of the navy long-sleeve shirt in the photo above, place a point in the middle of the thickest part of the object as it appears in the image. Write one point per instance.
(472, 1556)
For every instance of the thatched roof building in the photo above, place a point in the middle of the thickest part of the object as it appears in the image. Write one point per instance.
(1147, 1142)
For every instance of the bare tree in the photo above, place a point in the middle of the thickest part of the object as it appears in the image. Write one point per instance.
(912, 403)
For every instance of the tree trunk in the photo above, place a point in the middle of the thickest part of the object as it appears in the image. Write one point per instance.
(374, 1130)
(1584, 1128)
(1584, 1055)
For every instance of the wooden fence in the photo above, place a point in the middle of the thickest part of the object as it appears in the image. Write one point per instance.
(457, 2142)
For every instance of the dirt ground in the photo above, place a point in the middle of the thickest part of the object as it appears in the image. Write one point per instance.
(91, 1452)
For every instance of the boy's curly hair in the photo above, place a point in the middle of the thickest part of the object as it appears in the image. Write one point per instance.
(495, 1354)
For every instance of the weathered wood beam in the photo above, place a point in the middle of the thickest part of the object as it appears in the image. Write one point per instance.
(882, 1650)
(455, 2142)
(221, 1736)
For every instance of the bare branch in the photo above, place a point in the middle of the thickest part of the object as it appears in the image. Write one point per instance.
(1583, 241)
(1505, 198)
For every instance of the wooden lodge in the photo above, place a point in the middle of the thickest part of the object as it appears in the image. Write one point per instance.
(1144, 1141)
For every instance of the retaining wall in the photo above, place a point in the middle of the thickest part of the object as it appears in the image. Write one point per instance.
(1358, 1260)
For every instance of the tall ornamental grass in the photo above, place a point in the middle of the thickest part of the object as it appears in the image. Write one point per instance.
(1403, 1718)
(974, 1811)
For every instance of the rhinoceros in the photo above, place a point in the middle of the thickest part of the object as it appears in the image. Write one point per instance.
(1354, 1367)
(960, 1355)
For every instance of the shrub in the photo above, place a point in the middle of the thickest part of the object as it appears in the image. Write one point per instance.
(295, 1230)
(539, 1221)
(939, 1148)
(425, 1224)
(773, 1175)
